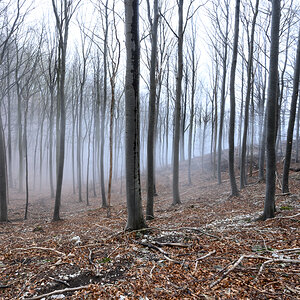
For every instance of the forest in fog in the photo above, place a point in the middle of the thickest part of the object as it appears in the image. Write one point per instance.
(95, 90)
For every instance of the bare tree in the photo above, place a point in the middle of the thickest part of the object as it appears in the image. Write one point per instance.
(176, 196)
(152, 112)
(234, 190)
(62, 17)
(135, 219)
(269, 205)
(289, 141)
(248, 95)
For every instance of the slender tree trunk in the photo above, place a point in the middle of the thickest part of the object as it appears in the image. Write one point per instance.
(9, 148)
(290, 131)
(243, 180)
(51, 116)
(234, 190)
(26, 161)
(222, 108)
(176, 197)
(152, 114)
(297, 133)
(63, 38)
(269, 205)
(193, 90)
(3, 176)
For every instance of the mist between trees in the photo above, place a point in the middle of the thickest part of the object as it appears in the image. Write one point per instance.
(85, 102)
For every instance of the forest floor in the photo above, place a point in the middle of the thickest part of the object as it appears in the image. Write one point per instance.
(210, 247)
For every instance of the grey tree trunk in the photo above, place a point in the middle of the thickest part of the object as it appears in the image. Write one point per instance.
(62, 25)
(176, 197)
(103, 110)
(194, 65)
(234, 190)
(152, 113)
(3, 177)
(247, 100)
(135, 219)
(290, 131)
(222, 108)
(269, 205)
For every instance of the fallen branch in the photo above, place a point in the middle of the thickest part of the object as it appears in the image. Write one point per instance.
(202, 257)
(171, 245)
(290, 217)
(41, 248)
(268, 260)
(207, 255)
(90, 257)
(293, 290)
(59, 292)
(287, 250)
(165, 254)
(228, 271)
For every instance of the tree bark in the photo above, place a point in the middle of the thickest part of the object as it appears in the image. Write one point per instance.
(269, 205)
(176, 196)
(135, 219)
(290, 131)
(152, 113)
(234, 190)
(3, 177)
(243, 180)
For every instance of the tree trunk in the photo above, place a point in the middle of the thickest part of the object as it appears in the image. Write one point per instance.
(176, 197)
(63, 38)
(3, 176)
(152, 114)
(290, 131)
(243, 180)
(222, 108)
(269, 205)
(135, 219)
(234, 190)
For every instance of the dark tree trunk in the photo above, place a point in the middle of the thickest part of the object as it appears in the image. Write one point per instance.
(234, 190)
(269, 205)
(135, 219)
(152, 113)
(3, 177)
(290, 131)
(176, 196)
(63, 28)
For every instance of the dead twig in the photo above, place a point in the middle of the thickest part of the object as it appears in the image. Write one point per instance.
(90, 257)
(165, 254)
(41, 248)
(171, 245)
(59, 292)
(268, 260)
(290, 217)
(206, 255)
(293, 290)
(232, 267)
(202, 257)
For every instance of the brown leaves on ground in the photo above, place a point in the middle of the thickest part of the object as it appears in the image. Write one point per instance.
(209, 247)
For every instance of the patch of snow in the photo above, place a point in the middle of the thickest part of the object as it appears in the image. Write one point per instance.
(76, 239)
(60, 296)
